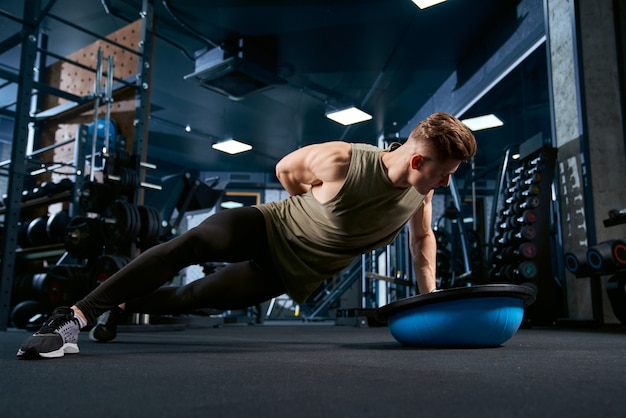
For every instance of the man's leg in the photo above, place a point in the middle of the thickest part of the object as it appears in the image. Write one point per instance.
(235, 286)
(232, 236)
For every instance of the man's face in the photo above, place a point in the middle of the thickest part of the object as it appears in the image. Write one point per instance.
(433, 174)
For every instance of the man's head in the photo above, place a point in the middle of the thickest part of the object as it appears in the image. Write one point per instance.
(439, 144)
(446, 137)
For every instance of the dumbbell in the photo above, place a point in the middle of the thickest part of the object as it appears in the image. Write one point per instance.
(528, 192)
(55, 227)
(36, 232)
(529, 203)
(526, 270)
(64, 184)
(509, 254)
(576, 262)
(47, 189)
(532, 179)
(607, 256)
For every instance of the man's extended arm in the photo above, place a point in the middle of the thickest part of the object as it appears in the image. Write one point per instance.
(423, 245)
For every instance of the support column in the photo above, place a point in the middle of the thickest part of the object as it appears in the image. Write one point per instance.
(17, 170)
(589, 132)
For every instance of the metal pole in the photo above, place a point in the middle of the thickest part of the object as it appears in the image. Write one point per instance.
(79, 161)
(142, 97)
(97, 93)
(108, 99)
(18, 157)
(455, 196)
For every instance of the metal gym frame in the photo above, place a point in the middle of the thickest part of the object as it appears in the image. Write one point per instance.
(28, 87)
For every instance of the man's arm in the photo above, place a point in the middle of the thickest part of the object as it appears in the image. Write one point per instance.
(314, 166)
(423, 246)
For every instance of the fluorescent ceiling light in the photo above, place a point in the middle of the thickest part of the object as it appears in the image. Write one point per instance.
(422, 4)
(231, 146)
(348, 116)
(483, 122)
(230, 204)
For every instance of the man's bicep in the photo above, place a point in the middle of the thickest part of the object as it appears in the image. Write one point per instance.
(420, 224)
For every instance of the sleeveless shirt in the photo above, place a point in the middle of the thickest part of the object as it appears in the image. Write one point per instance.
(312, 241)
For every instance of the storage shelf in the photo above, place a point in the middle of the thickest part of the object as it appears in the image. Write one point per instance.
(40, 252)
(43, 201)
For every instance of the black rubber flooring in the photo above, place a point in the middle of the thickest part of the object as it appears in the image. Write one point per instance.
(315, 370)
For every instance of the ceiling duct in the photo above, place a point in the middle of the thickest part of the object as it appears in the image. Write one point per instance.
(249, 70)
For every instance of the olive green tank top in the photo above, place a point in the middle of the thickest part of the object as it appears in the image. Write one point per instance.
(311, 241)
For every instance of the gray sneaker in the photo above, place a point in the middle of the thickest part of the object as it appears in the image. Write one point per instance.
(57, 337)
(106, 328)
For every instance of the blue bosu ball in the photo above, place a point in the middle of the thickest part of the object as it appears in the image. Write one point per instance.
(477, 316)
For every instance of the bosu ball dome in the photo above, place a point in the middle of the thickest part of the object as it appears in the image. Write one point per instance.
(476, 316)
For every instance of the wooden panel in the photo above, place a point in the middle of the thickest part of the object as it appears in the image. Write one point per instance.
(81, 82)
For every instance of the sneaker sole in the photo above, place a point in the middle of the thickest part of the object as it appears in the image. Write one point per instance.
(68, 348)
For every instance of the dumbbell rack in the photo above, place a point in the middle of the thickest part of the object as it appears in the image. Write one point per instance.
(605, 258)
(521, 245)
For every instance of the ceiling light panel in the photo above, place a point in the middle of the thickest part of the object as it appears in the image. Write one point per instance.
(232, 146)
(422, 4)
(348, 116)
(483, 122)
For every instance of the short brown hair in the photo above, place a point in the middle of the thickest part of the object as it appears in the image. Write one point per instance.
(447, 135)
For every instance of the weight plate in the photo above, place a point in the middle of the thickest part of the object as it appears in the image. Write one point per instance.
(81, 237)
(107, 265)
(29, 314)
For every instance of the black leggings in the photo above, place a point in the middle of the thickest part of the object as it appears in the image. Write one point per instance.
(235, 236)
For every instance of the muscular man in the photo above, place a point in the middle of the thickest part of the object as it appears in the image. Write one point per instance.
(346, 199)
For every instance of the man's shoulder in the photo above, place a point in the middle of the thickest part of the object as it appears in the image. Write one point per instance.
(365, 147)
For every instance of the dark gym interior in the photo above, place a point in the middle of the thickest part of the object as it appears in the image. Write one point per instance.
(112, 114)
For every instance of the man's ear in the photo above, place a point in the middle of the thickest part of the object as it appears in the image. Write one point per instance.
(416, 161)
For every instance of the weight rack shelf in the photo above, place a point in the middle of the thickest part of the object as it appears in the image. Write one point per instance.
(43, 201)
(41, 252)
(71, 110)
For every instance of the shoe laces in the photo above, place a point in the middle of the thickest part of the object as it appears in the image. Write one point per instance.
(57, 320)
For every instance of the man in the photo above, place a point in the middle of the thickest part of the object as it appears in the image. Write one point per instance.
(346, 199)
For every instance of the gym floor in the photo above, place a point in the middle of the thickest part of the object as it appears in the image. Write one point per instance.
(296, 369)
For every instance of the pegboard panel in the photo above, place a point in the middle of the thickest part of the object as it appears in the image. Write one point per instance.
(79, 81)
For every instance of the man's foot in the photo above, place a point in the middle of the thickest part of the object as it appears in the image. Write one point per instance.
(106, 328)
(57, 337)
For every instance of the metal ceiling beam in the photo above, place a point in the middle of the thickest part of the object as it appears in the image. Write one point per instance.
(456, 97)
